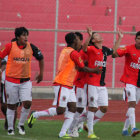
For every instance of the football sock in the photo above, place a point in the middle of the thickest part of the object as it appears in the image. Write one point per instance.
(90, 117)
(98, 115)
(49, 112)
(23, 116)
(131, 115)
(67, 122)
(10, 118)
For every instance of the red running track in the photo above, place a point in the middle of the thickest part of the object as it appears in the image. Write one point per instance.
(116, 111)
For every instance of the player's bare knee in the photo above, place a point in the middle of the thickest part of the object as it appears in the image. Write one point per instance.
(72, 107)
(11, 106)
(132, 104)
(79, 110)
(103, 109)
(27, 104)
(92, 109)
(60, 110)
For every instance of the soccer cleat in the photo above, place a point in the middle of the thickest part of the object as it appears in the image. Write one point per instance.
(21, 130)
(125, 133)
(31, 120)
(80, 130)
(134, 132)
(11, 132)
(66, 136)
(74, 133)
(93, 136)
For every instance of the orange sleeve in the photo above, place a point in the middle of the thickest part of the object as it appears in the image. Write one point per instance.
(6, 50)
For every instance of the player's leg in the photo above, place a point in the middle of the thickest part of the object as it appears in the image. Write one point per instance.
(131, 93)
(81, 98)
(12, 97)
(92, 105)
(69, 115)
(25, 96)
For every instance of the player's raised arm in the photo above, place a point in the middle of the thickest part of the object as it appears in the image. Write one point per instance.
(117, 44)
(85, 45)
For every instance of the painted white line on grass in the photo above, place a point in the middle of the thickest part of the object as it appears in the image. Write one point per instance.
(14, 137)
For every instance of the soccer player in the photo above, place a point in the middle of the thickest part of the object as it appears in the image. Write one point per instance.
(18, 72)
(3, 95)
(80, 89)
(63, 85)
(97, 92)
(131, 78)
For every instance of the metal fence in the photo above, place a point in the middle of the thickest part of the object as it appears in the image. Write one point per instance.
(49, 20)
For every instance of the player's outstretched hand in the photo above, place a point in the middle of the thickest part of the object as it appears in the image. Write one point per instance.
(120, 33)
(89, 31)
(39, 78)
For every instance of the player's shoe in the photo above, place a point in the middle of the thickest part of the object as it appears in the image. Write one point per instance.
(93, 136)
(80, 130)
(135, 132)
(74, 133)
(80, 127)
(125, 133)
(66, 136)
(31, 120)
(11, 132)
(21, 130)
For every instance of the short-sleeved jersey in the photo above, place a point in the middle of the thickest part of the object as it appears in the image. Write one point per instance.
(80, 79)
(6, 50)
(97, 57)
(131, 74)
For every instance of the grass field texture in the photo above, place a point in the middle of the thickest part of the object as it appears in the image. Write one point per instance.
(49, 130)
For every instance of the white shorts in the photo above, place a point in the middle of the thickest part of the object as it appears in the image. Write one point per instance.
(81, 97)
(63, 95)
(16, 92)
(97, 96)
(131, 93)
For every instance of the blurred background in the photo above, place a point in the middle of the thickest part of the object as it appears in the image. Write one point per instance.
(49, 20)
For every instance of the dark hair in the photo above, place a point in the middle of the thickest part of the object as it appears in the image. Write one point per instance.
(19, 31)
(14, 39)
(79, 35)
(90, 42)
(137, 34)
(69, 38)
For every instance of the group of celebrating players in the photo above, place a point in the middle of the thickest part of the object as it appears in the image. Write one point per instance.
(79, 86)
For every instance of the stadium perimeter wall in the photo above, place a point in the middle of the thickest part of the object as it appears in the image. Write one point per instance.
(48, 93)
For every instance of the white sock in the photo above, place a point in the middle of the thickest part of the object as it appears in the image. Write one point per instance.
(83, 117)
(74, 122)
(23, 116)
(90, 117)
(126, 124)
(10, 118)
(49, 112)
(67, 122)
(98, 115)
(131, 115)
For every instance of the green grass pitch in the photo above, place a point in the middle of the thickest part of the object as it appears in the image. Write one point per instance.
(49, 130)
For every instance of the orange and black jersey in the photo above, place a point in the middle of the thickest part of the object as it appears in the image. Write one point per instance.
(6, 50)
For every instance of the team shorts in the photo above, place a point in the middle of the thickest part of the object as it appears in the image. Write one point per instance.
(63, 95)
(81, 97)
(16, 92)
(97, 96)
(131, 93)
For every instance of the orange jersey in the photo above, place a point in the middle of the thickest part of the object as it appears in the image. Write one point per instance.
(66, 66)
(19, 62)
